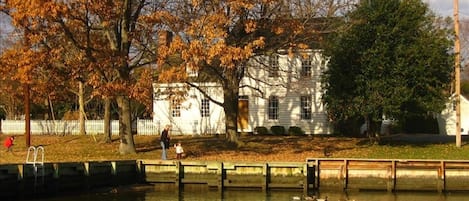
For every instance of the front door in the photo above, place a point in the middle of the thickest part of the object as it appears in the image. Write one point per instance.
(243, 114)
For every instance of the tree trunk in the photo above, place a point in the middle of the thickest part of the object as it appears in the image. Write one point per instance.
(27, 117)
(51, 107)
(127, 145)
(81, 106)
(371, 130)
(230, 106)
(107, 120)
(46, 115)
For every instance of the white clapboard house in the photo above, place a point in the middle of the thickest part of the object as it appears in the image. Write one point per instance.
(289, 95)
(447, 118)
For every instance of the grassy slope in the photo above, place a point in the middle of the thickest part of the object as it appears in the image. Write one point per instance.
(253, 149)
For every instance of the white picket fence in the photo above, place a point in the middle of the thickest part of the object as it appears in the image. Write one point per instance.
(71, 127)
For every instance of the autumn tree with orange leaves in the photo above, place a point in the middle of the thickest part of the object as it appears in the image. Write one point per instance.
(100, 43)
(25, 71)
(217, 38)
(114, 42)
(10, 102)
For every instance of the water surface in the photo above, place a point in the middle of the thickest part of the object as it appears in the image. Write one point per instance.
(256, 195)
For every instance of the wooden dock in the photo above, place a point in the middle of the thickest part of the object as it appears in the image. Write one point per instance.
(23, 180)
(221, 175)
(391, 175)
(27, 180)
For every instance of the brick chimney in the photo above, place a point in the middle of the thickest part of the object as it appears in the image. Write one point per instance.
(164, 38)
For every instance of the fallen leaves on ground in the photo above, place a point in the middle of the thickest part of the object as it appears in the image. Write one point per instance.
(251, 148)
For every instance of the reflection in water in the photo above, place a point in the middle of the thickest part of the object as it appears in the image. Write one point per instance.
(255, 195)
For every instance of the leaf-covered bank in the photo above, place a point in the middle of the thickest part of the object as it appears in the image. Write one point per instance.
(252, 148)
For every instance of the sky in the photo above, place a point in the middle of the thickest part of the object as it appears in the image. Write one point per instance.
(445, 7)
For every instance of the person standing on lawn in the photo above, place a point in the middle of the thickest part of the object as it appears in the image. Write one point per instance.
(179, 150)
(9, 142)
(164, 141)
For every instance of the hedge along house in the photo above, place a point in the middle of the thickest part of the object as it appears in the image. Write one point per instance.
(283, 90)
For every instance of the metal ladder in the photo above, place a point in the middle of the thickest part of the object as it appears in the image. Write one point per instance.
(34, 161)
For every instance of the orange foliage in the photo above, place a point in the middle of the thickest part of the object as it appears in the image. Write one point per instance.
(26, 66)
(79, 44)
(92, 40)
(225, 34)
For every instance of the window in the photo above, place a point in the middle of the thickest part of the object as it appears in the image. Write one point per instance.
(305, 104)
(273, 65)
(191, 71)
(175, 108)
(306, 66)
(205, 107)
(273, 107)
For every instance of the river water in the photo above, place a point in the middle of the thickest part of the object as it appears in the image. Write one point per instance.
(256, 195)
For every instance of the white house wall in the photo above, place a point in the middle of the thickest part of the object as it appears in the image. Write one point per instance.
(191, 121)
(288, 87)
(447, 118)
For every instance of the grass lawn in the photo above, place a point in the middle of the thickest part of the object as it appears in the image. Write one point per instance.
(252, 149)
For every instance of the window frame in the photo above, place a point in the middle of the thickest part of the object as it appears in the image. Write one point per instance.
(175, 108)
(306, 66)
(273, 108)
(305, 107)
(205, 107)
(191, 72)
(274, 66)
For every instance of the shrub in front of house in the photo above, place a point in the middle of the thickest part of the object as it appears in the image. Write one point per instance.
(278, 130)
(420, 124)
(261, 130)
(465, 88)
(295, 130)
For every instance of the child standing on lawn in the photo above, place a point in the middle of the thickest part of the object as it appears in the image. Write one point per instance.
(179, 150)
(9, 142)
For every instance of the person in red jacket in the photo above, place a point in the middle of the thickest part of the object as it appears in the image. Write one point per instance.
(9, 142)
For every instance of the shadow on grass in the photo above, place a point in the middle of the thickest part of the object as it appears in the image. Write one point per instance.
(419, 140)
(59, 142)
(148, 146)
(147, 149)
(269, 144)
(196, 144)
(318, 145)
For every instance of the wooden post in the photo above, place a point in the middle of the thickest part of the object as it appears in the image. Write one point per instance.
(316, 174)
(221, 177)
(457, 63)
(20, 172)
(442, 179)
(265, 177)
(345, 174)
(179, 171)
(393, 176)
(141, 171)
(113, 168)
(87, 168)
(56, 168)
(306, 178)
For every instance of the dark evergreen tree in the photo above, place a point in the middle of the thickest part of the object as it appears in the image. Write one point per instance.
(391, 59)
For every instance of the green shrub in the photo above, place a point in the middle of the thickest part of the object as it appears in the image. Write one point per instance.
(277, 130)
(261, 130)
(420, 124)
(295, 130)
(465, 88)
